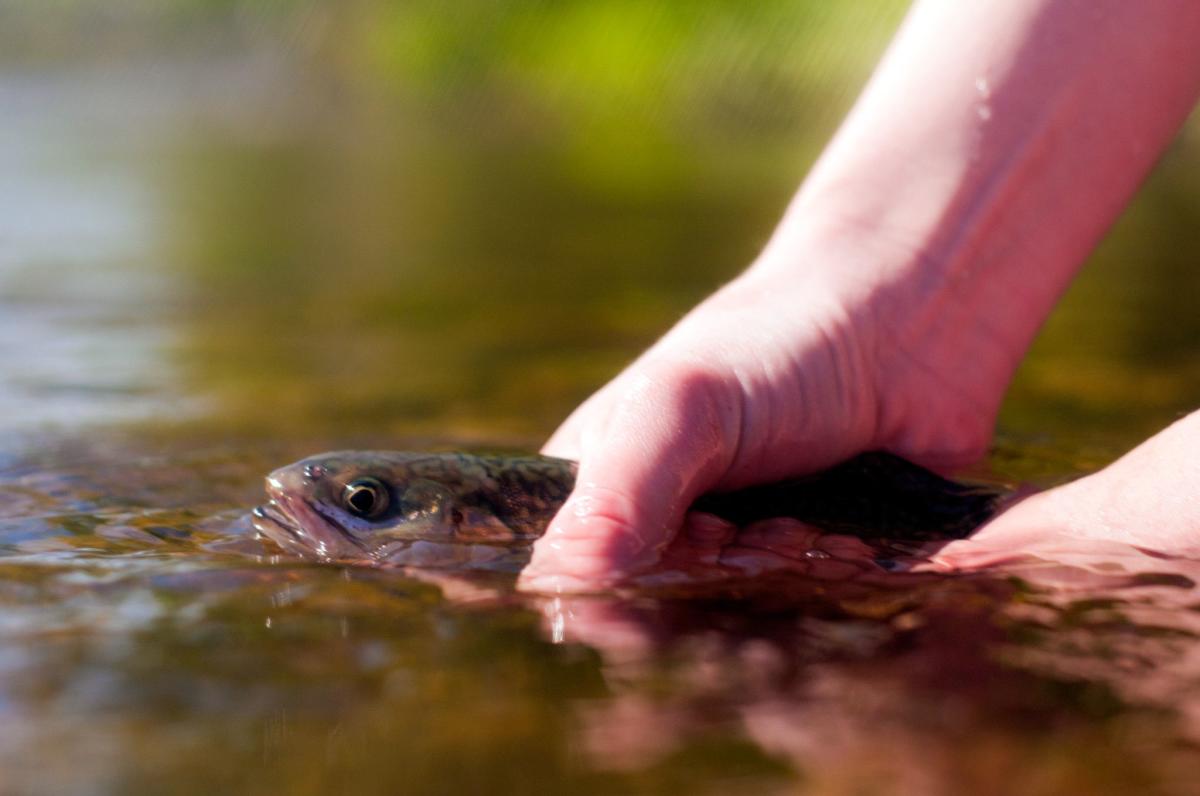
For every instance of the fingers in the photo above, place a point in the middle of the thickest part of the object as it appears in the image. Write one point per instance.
(566, 441)
(666, 437)
(1147, 499)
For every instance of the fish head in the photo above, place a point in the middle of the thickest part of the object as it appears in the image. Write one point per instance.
(358, 506)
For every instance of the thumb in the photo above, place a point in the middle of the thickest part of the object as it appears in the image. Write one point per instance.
(664, 441)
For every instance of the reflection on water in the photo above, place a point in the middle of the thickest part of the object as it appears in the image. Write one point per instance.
(234, 234)
(146, 633)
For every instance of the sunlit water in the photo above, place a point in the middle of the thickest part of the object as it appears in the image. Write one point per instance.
(219, 257)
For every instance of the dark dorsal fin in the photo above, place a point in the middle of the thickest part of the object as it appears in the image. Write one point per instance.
(873, 495)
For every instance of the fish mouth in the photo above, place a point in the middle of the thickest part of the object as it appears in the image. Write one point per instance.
(301, 530)
(272, 523)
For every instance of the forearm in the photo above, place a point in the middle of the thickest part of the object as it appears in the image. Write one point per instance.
(995, 144)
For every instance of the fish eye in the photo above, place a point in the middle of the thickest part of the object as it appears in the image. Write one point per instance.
(365, 497)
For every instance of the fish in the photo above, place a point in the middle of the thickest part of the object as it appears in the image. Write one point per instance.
(371, 507)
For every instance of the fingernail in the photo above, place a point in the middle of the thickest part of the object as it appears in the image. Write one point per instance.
(557, 583)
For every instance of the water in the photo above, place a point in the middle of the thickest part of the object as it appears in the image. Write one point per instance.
(234, 235)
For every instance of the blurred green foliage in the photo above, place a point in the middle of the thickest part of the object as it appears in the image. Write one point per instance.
(719, 65)
(467, 215)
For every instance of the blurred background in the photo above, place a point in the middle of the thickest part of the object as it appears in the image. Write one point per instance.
(258, 218)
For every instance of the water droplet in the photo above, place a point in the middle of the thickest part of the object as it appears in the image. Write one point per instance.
(557, 621)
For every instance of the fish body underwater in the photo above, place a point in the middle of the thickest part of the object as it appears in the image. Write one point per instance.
(368, 507)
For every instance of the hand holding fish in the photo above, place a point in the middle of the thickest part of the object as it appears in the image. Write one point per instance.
(888, 312)
(775, 397)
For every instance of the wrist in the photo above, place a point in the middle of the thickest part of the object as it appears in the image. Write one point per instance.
(990, 152)
(936, 357)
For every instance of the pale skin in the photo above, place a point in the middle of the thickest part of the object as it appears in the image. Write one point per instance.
(995, 144)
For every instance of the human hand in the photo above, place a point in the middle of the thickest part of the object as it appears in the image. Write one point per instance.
(900, 329)
(1147, 501)
(778, 374)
